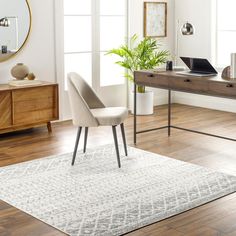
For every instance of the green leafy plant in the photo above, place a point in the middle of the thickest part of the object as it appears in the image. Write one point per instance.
(139, 56)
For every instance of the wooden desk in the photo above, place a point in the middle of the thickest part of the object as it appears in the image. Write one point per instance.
(28, 106)
(170, 80)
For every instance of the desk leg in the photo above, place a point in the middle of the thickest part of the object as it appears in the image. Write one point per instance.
(135, 111)
(169, 112)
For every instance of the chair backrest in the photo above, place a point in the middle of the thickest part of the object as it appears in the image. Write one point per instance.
(82, 98)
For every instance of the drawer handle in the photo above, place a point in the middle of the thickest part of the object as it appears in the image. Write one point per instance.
(150, 75)
(187, 80)
(229, 86)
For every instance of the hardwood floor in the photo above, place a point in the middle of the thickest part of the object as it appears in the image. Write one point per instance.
(215, 218)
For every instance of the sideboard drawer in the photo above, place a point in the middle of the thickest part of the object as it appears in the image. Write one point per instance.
(33, 105)
(151, 79)
(32, 117)
(222, 89)
(189, 84)
(33, 94)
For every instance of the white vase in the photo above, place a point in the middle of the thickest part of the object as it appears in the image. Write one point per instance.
(144, 103)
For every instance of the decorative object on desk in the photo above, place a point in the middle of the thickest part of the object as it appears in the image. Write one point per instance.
(20, 71)
(155, 19)
(226, 73)
(94, 198)
(140, 56)
(233, 66)
(31, 76)
(187, 29)
(169, 65)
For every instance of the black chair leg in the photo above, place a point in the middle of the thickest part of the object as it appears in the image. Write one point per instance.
(85, 138)
(116, 145)
(76, 145)
(123, 136)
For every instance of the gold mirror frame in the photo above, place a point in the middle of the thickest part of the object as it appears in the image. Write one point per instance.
(26, 38)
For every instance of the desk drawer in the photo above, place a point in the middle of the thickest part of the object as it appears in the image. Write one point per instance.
(152, 80)
(188, 84)
(222, 89)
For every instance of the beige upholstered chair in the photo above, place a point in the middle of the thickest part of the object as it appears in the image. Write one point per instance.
(89, 111)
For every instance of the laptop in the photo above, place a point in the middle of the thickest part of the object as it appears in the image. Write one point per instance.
(198, 67)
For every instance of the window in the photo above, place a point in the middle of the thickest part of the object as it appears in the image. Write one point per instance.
(91, 28)
(226, 31)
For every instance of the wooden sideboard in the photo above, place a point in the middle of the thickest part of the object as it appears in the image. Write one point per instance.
(28, 106)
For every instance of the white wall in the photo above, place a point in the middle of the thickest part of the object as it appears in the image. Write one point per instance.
(136, 27)
(38, 53)
(201, 14)
(198, 13)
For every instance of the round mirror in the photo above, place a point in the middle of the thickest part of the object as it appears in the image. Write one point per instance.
(15, 23)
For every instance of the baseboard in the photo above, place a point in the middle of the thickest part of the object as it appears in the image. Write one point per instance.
(215, 103)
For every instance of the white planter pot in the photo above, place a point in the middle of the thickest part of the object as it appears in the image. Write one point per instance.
(144, 103)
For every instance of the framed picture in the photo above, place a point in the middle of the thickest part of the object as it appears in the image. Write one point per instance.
(155, 19)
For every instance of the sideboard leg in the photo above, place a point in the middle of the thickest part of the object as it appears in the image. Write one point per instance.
(49, 126)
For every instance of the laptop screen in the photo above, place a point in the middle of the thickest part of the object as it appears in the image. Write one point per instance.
(198, 65)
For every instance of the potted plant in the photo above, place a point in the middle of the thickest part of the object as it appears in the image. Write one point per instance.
(135, 56)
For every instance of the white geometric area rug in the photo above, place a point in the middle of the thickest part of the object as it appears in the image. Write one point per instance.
(95, 197)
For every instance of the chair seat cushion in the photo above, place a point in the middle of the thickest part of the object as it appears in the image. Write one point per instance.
(110, 115)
